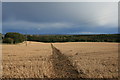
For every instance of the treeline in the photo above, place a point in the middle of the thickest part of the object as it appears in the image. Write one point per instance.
(0, 38)
(13, 38)
(75, 38)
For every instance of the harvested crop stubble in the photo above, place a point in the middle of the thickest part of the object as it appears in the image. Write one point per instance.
(94, 59)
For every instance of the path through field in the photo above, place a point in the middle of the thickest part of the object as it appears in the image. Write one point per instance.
(61, 67)
(79, 59)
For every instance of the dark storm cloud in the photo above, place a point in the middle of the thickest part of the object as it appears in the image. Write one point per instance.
(60, 18)
(0, 17)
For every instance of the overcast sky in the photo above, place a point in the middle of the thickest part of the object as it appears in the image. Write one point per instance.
(60, 17)
(0, 17)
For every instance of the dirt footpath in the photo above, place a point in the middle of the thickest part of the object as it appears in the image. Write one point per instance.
(59, 66)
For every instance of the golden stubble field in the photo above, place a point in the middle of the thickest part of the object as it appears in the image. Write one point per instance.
(93, 59)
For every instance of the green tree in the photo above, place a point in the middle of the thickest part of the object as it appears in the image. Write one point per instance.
(17, 37)
(8, 40)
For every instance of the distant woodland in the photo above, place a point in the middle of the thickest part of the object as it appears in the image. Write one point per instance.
(13, 38)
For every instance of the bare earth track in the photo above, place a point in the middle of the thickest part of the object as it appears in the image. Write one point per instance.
(61, 65)
(73, 60)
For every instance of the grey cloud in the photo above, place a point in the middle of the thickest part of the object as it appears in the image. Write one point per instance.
(61, 17)
(0, 17)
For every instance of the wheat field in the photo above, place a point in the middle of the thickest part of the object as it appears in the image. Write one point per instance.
(93, 59)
